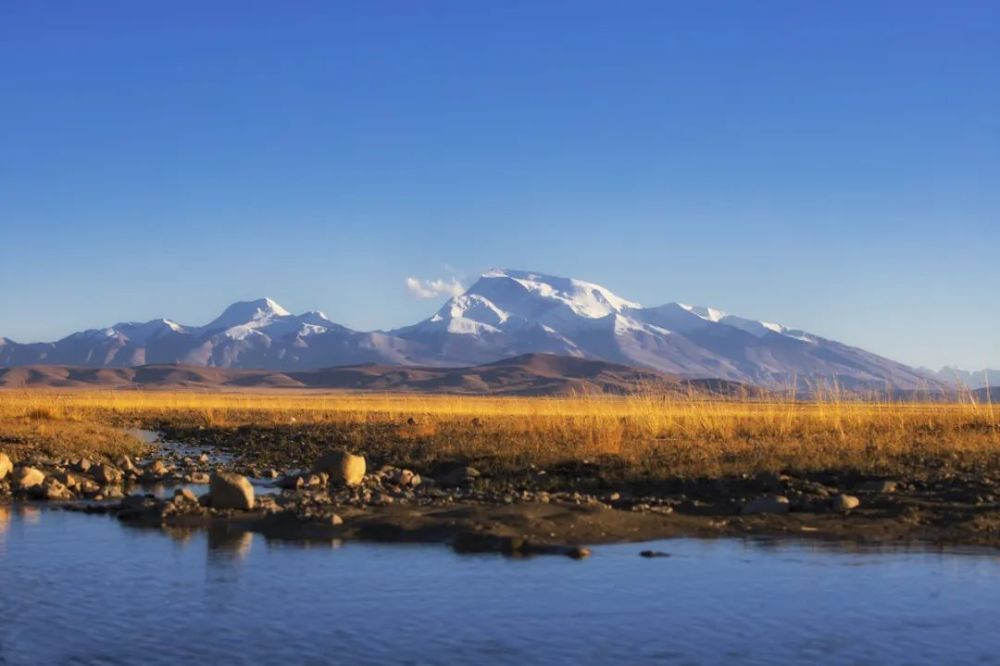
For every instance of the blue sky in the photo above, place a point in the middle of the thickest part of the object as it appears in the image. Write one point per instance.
(832, 166)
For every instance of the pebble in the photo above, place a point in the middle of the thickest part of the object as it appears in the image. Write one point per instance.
(844, 503)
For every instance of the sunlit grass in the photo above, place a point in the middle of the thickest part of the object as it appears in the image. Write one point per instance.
(686, 434)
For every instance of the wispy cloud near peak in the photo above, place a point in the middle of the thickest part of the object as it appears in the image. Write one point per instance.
(434, 288)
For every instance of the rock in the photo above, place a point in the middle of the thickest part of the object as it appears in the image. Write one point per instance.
(6, 466)
(231, 491)
(653, 553)
(402, 477)
(185, 495)
(844, 503)
(83, 465)
(53, 490)
(336, 520)
(203, 459)
(28, 477)
(125, 463)
(135, 503)
(199, 478)
(459, 476)
(343, 467)
(884, 486)
(771, 504)
(111, 492)
(107, 474)
(313, 480)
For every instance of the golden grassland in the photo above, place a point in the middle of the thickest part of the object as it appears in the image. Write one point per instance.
(687, 435)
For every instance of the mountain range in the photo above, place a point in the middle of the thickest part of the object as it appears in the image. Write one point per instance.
(505, 313)
(973, 379)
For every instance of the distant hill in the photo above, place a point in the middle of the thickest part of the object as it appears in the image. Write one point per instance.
(529, 374)
(988, 394)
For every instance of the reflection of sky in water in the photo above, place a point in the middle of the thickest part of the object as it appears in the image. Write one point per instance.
(85, 588)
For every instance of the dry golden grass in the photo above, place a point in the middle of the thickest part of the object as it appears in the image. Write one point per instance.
(653, 432)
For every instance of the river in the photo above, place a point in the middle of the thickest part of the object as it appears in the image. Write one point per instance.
(85, 589)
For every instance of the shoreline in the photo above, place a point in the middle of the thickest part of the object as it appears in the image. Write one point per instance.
(530, 511)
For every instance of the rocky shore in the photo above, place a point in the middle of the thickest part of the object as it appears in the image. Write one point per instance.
(342, 495)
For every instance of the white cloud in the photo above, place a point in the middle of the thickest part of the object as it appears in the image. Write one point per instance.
(434, 288)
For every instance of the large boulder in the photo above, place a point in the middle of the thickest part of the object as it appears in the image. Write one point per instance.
(6, 466)
(771, 504)
(28, 477)
(342, 467)
(230, 491)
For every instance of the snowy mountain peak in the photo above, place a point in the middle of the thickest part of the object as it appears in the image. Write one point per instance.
(708, 314)
(518, 288)
(248, 312)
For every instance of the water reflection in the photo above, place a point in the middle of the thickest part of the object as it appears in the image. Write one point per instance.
(227, 544)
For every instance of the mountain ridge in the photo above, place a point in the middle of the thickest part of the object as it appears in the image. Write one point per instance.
(505, 313)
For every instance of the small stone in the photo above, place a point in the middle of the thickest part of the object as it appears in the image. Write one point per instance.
(6, 466)
(82, 465)
(844, 503)
(771, 504)
(402, 477)
(125, 463)
(653, 553)
(53, 490)
(107, 474)
(185, 495)
(111, 492)
(231, 491)
(199, 478)
(28, 477)
(335, 519)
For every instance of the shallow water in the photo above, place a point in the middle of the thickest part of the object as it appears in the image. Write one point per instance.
(85, 589)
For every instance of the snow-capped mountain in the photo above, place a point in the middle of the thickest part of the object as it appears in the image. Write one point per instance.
(248, 334)
(973, 379)
(505, 313)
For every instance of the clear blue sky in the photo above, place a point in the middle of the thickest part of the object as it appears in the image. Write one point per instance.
(830, 165)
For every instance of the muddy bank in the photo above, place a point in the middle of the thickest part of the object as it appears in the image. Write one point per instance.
(290, 493)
